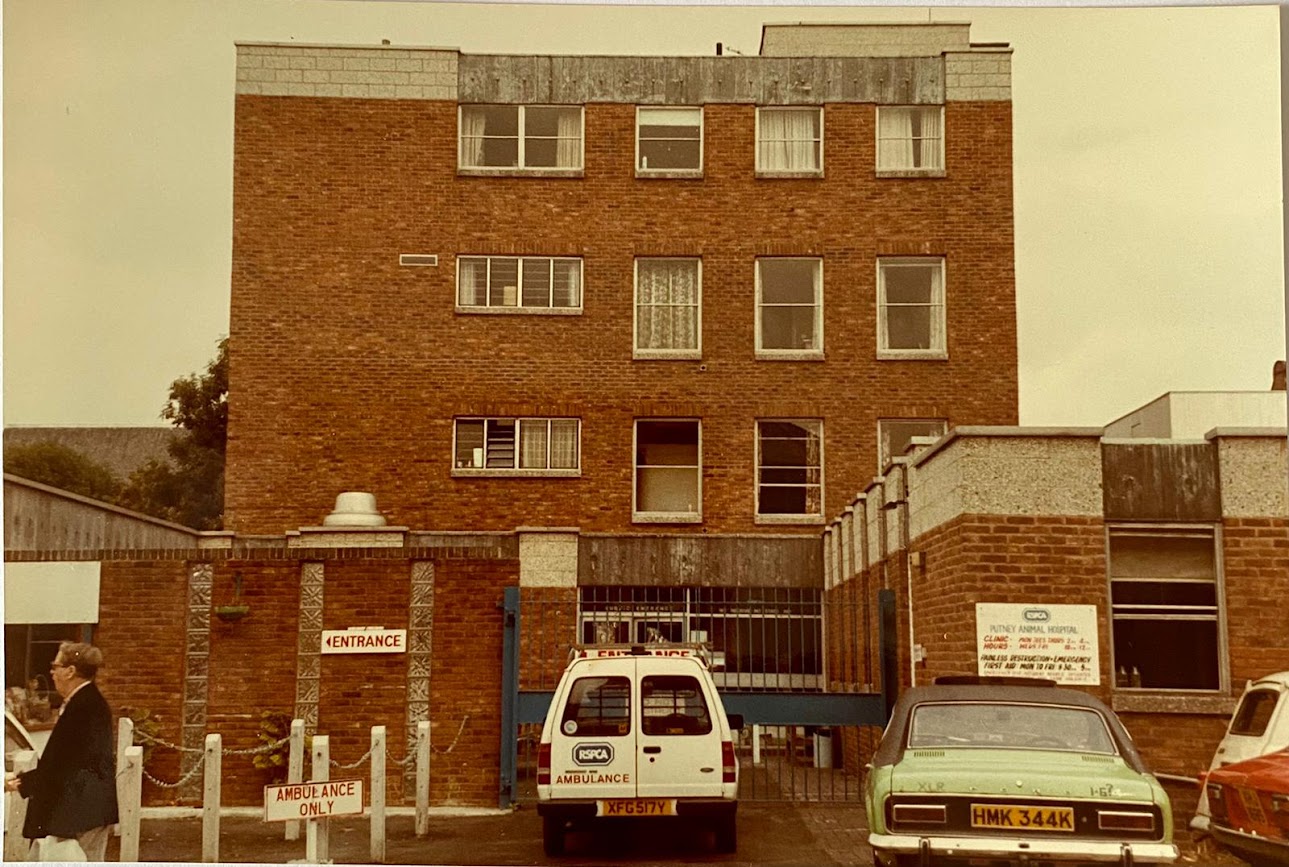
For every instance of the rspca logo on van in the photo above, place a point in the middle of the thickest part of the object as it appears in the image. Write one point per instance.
(593, 754)
(1037, 615)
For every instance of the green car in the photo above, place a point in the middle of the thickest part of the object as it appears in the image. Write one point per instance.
(1000, 774)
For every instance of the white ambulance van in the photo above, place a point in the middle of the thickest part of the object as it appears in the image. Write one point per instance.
(637, 731)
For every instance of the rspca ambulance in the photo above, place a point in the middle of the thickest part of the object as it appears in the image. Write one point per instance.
(637, 731)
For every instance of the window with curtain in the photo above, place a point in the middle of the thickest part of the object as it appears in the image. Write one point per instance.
(911, 310)
(514, 444)
(669, 139)
(530, 283)
(910, 138)
(789, 468)
(1165, 607)
(895, 434)
(789, 140)
(789, 297)
(668, 469)
(668, 299)
(524, 137)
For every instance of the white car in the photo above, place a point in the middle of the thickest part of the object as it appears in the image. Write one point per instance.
(637, 731)
(1259, 726)
(16, 739)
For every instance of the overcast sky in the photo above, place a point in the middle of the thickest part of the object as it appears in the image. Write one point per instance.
(1147, 181)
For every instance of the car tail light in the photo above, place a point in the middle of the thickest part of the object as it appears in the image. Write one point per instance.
(921, 814)
(729, 764)
(1280, 810)
(1216, 801)
(1124, 820)
(544, 764)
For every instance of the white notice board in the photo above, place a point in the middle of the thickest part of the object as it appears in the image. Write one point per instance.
(1058, 642)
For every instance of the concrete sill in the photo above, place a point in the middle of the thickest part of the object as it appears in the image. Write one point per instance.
(1205, 704)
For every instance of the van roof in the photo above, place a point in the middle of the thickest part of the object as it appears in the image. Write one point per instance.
(606, 651)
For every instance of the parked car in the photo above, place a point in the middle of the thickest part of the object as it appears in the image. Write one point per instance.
(639, 732)
(1249, 804)
(1004, 771)
(16, 739)
(1260, 725)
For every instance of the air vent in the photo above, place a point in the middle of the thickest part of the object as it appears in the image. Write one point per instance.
(929, 754)
(424, 260)
(1100, 760)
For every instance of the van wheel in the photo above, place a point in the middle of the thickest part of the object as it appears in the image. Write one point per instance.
(553, 835)
(726, 834)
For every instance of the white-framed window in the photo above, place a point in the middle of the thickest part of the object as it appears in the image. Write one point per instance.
(910, 138)
(1166, 606)
(521, 137)
(790, 308)
(790, 141)
(668, 470)
(895, 434)
(519, 283)
(910, 308)
(669, 140)
(668, 312)
(545, 446)
(789, 469)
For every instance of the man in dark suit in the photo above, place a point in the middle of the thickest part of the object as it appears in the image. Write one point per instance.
(72, 789)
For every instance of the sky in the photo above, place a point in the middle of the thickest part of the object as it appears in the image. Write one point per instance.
(1147, 149)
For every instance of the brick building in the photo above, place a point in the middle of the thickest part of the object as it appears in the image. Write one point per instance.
(1163, 537)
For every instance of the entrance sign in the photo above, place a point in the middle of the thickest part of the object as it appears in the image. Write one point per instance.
(364, 639)
(1058, 642)
(313, 800)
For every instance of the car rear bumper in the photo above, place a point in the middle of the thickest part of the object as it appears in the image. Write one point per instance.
(1266, 849)
(686, 808)
(1097, 851)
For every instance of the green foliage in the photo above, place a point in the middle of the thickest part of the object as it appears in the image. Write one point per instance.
(61, 467)
(190, 489)
(146, 729)
(274, 726)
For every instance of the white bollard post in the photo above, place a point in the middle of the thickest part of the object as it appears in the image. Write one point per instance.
(756, 744)
(295, 770)
(316, 844)
(124, 740)
(378, 794)
(210, 799)
(16, 846)
(131, 786)
(422, 778)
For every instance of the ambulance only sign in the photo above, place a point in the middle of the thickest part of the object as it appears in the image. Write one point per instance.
(313, 800)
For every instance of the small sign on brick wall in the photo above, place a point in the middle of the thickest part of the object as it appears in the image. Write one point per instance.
(364, 639)
(1058, 642)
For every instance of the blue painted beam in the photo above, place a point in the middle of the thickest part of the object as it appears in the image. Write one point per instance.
(763, 708)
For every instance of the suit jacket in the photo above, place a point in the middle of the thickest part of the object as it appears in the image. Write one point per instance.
(72, 789)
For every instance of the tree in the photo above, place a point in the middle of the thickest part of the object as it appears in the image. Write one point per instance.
(51, 463)
(190, 490)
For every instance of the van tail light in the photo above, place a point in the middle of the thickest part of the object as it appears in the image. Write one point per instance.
(543, 764)
(729, 764)
(1216, 801)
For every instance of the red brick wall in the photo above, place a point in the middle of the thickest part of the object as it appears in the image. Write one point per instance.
(1255, 555)
(548, 627)
(346, 370)
(142, 614)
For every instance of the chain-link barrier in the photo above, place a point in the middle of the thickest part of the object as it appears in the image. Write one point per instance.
(460, 731)
(192, 772)
(365, 756)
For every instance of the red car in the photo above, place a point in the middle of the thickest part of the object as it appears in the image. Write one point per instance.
(1249, 802)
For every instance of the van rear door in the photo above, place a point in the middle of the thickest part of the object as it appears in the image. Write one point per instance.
(679, 741)
(593, 742)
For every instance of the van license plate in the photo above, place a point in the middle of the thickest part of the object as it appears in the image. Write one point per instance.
(1023, 818)
(636, 807)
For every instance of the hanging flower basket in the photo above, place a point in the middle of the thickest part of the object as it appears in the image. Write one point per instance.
(232, 613)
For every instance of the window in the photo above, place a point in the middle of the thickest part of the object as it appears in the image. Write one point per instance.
(29, 650)
(523, 137)
(895, 434)
(1165, 607)
(910, 139)
(527, 283)
(668, 486)
(548, 445)
(1254, 713)
(910, 301)
(789, 296)
(669, 140)
(668, 297)
(673, 704)
(598, 707)
(789, 461)
(1001, 725)
(789, 141)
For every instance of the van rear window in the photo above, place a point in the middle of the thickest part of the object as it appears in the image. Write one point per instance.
(1254, 712)
(597, 707)
(673, 704)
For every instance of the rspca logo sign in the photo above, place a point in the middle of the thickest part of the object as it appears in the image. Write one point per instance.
(593, 754)
(1037, 615)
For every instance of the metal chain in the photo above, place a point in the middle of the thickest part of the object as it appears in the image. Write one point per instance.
(336, 764)
(263, 748)
(192, 772)
(451, 746)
